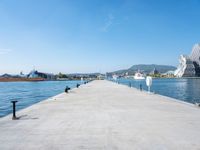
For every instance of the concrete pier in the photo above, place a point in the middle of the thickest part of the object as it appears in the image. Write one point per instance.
(103, 115)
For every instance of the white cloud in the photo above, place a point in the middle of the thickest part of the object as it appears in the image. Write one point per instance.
(108, 23)
(4, 51)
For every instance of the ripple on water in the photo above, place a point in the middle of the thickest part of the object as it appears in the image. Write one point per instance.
(28, 93)
(183, 89)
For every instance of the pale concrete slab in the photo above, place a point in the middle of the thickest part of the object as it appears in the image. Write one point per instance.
(104, 116)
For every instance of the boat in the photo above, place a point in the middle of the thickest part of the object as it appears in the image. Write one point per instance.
(139, 76)
(115, 77)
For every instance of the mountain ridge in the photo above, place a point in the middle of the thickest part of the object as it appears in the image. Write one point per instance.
(145, 68)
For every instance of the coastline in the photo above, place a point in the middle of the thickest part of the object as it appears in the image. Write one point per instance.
(21, 79)
(31, 79)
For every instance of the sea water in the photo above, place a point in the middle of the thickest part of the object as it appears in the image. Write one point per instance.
(185, 89)
(28, 93)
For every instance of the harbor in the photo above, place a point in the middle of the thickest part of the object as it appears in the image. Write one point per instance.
(103, 115)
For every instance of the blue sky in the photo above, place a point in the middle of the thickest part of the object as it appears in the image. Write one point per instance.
(95, 35)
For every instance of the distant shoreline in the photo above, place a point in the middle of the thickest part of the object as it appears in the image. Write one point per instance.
(176, 78)
(31, 79)
(21, 79)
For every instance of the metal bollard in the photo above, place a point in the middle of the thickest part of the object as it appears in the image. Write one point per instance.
(130, 84)
(67, 89)
(77, 85)
(14, 110)
(140, 87)
(197, 104)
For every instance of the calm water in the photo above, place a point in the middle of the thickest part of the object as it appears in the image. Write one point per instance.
(28, 93)
(183, 89)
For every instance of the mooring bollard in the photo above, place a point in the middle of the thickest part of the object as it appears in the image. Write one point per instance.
(67, 89)
(197, 104)
(77, 85)
(14, 110)
(140, 87)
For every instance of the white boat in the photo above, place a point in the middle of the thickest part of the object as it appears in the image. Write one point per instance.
(115, 77)
(139, 76)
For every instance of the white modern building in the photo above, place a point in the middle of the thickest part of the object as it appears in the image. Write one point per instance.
(195, 55)
(189, 66)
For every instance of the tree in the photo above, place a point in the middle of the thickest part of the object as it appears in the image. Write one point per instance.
(60, 75)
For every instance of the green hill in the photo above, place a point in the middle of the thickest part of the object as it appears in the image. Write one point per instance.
(146, 69)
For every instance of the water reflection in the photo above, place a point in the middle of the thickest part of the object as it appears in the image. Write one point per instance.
(182, 89)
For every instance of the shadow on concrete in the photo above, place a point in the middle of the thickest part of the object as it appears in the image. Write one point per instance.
(26, 117)
(73, 92)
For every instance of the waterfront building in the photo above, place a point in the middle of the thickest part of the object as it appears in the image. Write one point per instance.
(6, 76)
(35, 74)
(154, 72)
(189, 66)
(195, 56)
(22, 75)
(100, 77)
(186, 67)
(168, 74)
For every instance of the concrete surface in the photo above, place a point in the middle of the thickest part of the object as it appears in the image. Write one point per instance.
(103, 116)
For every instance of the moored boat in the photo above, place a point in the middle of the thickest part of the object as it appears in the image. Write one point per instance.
(139, 76)
(115, 77)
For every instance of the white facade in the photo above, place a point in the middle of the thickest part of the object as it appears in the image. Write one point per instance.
(189, 66)
(186, 67)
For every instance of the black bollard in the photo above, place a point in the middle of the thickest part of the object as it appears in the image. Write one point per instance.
(67, 89)
(140, 87)
(77, 85)
(130, 84)
(197, 104)
(14, 110)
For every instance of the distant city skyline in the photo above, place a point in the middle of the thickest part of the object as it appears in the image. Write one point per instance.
(83, 36)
